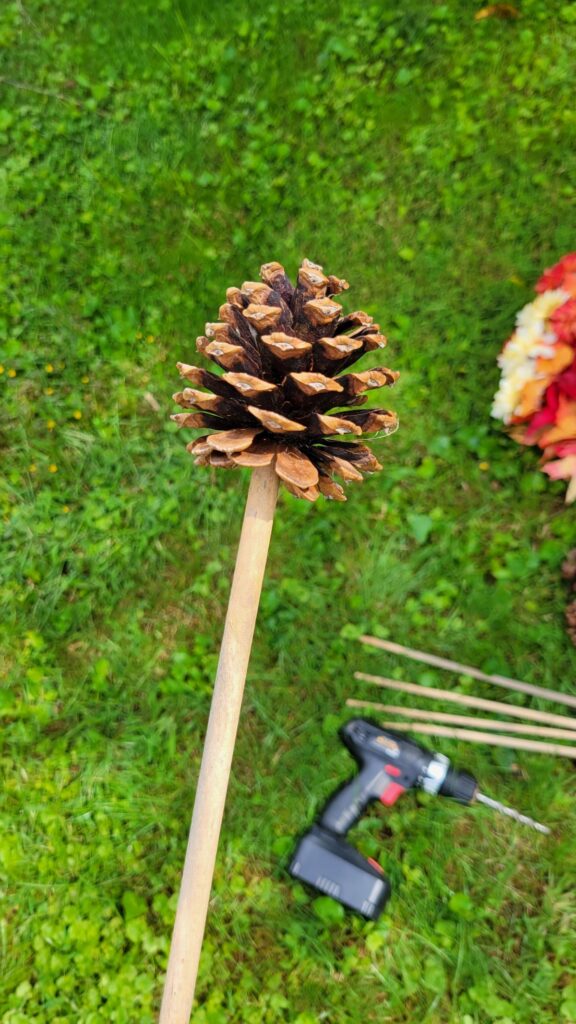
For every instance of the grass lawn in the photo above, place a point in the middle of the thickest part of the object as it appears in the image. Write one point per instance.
(154, 153)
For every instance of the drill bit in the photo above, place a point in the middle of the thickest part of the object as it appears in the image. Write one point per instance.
(512, 813)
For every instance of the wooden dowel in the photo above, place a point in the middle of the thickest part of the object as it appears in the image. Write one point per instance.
(434, 693)
(480, 723)
(467, 670)
(471, 736)
(218, 748)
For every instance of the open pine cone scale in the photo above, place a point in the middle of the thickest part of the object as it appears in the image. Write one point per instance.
(284, 397)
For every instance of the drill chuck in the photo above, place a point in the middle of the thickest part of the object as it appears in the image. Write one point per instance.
(460, 786)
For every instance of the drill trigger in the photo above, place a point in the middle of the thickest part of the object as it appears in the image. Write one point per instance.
(390, 795)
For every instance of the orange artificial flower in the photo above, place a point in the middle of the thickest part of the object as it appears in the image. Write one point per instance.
(565, 427)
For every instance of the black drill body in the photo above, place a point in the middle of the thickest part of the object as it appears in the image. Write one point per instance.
(389, 765)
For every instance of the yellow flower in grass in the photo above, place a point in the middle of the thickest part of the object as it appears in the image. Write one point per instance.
(51, 424)
(77, 414)
(11, 372)
(52, 468)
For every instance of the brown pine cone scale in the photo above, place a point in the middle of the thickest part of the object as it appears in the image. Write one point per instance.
(283, 398)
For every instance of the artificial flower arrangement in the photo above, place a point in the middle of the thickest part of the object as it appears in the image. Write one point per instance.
(537, 393)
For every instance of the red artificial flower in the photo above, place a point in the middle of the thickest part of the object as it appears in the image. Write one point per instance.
(560, 450)
(563, 322)
(545, 416)
(567, 383)
(564, 429)
(537, 396)
(563, 467)
(561, 275)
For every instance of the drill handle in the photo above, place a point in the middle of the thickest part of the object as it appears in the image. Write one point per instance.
(348, 804)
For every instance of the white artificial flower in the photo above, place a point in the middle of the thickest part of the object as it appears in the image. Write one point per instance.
(547, 302)
(532, 339)
(506, 399)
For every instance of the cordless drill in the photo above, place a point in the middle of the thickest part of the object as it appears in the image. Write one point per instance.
(389, 765)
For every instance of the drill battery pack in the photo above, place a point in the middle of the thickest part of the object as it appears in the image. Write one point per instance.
(331, 865)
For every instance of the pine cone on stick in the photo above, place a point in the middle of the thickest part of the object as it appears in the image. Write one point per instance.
(284, 397)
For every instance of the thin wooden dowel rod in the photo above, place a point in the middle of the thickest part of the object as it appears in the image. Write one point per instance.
(218, 748)
(480, 723)
(467, 701)
(471, 736)
(468, 670)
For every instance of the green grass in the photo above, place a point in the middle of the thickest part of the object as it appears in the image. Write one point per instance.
(154, 153)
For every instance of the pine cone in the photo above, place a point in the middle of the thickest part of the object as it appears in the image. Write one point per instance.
(283, 350)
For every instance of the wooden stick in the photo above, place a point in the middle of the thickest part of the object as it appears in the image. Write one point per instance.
(467, 701)
(482, 723)
(218, 748)
(467, 670)
(471, 736)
